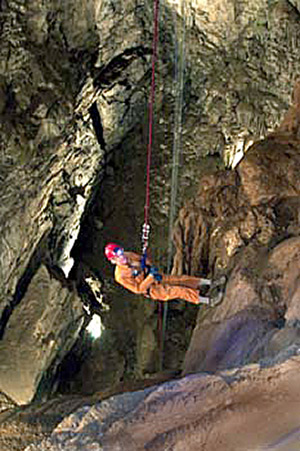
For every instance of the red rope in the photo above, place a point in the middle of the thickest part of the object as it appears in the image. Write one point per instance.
(151, 104)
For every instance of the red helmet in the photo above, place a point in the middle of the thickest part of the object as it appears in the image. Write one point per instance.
(112, 250)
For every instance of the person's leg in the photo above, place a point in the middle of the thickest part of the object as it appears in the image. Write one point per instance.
(186, 281)
(164, 292)
(205, 281)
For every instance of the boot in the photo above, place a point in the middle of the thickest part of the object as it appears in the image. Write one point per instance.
(216, 293)
(219, 281)
(204, 290)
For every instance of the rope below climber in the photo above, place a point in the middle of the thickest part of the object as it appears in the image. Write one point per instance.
(145, 279)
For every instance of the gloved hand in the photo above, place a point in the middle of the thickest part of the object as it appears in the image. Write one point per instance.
(154, 272)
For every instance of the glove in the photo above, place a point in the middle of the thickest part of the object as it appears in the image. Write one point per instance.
(154, 272)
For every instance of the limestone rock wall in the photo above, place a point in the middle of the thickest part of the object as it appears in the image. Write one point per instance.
(41, 330)
(48, 162)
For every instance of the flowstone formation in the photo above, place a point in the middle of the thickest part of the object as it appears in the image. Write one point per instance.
(247, 222)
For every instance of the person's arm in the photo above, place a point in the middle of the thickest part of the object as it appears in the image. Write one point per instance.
(133, 284)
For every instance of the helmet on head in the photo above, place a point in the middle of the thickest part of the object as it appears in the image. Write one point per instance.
(112, 250)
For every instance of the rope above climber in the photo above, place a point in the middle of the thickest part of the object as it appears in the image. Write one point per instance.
(142, 277)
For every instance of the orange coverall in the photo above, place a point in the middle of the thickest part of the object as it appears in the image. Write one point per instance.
(132, 277)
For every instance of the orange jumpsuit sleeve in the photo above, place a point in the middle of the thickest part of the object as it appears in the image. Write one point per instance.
(134, 284)
(124, 276)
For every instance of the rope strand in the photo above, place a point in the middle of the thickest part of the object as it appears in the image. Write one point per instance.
(146, 226)
(180, 38)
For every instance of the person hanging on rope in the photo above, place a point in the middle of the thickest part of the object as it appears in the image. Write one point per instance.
(141, 277)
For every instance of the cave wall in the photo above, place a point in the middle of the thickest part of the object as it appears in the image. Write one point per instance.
(236, 88)
(249, 222)
(49, 159)
(244, 352)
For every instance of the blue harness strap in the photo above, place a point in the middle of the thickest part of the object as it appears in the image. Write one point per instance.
(147, 269)
(144, 267)
(143, 261)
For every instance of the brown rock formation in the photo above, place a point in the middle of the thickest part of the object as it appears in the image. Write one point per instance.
(36, 335)
(247, 409)
(254, 238)
(290, 124)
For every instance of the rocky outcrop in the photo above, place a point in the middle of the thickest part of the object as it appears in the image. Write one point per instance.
(196, 413)
(251, 228)
(38, 332)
